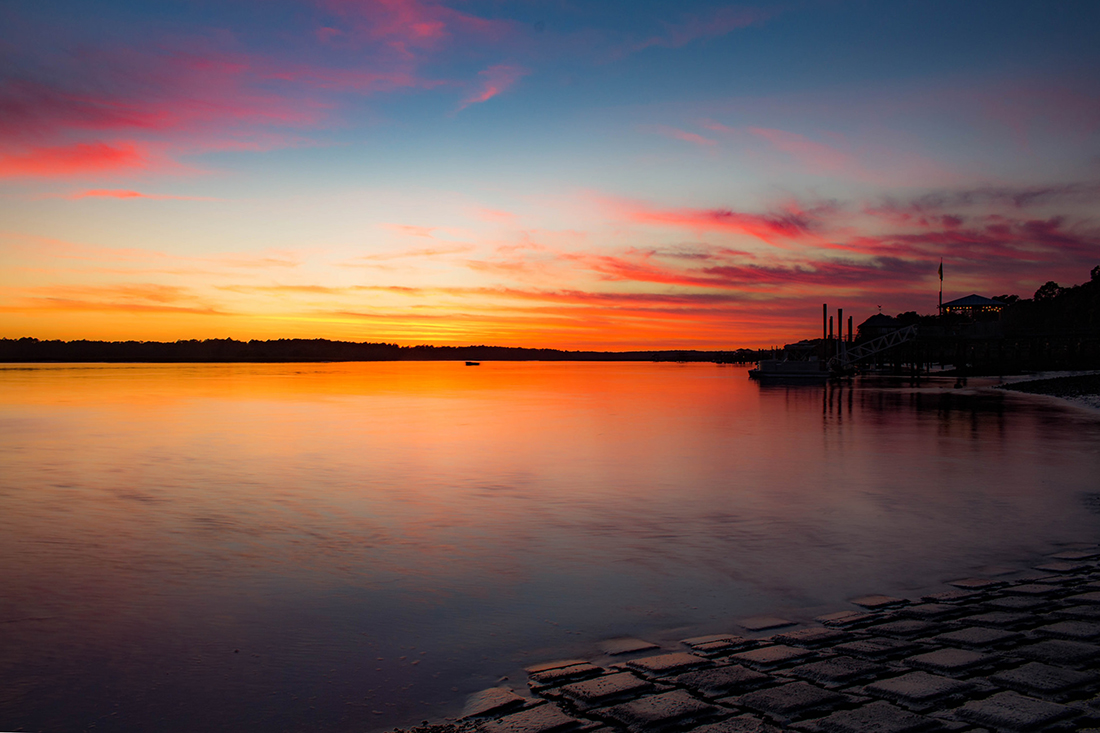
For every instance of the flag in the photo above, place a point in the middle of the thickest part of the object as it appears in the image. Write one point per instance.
(941, 269)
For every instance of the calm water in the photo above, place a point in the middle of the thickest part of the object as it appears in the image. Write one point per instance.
(356, 546)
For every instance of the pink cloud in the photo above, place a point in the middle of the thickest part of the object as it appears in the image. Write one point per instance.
(494, 80)
(127, 194)
(814, 156)
(73, 160)
(689, 137)
(714, 25)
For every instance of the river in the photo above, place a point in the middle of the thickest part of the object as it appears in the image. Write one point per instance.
(360, 545)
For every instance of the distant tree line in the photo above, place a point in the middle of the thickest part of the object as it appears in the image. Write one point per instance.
(306, 350)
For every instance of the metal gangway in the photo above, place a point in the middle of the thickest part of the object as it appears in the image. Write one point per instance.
(849, 355)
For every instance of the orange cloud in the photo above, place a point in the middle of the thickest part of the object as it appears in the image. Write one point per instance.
(127, 194)
(73, 160)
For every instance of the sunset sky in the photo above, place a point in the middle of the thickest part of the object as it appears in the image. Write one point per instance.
(610, 174)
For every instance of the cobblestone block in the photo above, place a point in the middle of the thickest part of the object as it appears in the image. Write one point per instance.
(493, 700)
(547, 718)
(1013, 711)
(918, 690)
(1033, 589)
(658, 711)
(977, 637)
(839, 670)
(906, 628)
(601, 689)
(950, 596)
(846, 618)
(1060, 651)
(930, 611)
(876, 648)
(1017, 603)
(976, 583)
(877, 717)
(951, 661)
(770, 656)
(1042, 679)
(877, 601)
(739, 724)
(722, 681)
(763, 623)
(1081, 630)
(1000, 619)
(790, 701)
(812, 637)
(663, 664)
(615, 647)
(1093, 597)
(560, 675)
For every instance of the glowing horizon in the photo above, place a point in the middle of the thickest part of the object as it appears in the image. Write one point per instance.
(616, 177)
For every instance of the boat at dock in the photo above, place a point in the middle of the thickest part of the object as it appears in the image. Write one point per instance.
(790, 371)
(473, 363)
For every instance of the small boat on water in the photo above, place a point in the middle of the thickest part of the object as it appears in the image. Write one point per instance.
(473, 363)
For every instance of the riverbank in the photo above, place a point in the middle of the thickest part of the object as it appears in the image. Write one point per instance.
(1081, 389)
(984, 654)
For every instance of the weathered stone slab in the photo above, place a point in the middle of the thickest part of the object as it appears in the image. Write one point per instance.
(717, 643)
(905, 628)
(1093, 597)
(1017, 603)
(763, 623)
(544, 666)
(976, 583)
(846, 618)
(1081, 630)
(599, 689)
(876, 602)
(929, 611)
(721, 681)
(1042, 679)
(950, 661)
(876, 648)
(657, 711)
(838, 670)
(625, 645)
(559, 675)
(977, 637)
(770, 656)
(1084, 613)
(739, 724)
(1013, 711)
(918, 690)
(1060, 651)
(1000, 619)
(662, 664)
(1082, 554)
(877, 717)
(788, 701)
(1033, 589)
(950, 596)
(812, 637)
(1061, 566)
(493, 700)
(547, 718)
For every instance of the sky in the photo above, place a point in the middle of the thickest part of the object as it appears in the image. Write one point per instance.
(576, 174)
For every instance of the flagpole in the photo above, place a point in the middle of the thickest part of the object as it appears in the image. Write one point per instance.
(941, 287)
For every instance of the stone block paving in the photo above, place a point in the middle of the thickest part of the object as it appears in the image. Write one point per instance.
(988, 655)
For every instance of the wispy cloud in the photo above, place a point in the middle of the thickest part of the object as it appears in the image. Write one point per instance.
(493, 81)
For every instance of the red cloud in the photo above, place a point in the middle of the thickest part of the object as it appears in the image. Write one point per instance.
(496, 80)
(73, 160)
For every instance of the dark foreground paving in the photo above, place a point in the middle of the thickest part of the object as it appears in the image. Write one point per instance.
(987, 655)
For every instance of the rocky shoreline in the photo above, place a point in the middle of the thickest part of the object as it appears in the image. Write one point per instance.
(1082, 389)
(984, 655)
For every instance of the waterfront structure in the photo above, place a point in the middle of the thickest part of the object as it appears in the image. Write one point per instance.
(973, 305)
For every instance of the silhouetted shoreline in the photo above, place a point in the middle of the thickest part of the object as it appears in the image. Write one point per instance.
(322, 350)
(1082, 389)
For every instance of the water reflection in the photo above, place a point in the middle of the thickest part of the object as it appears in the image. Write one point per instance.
(358, 545)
